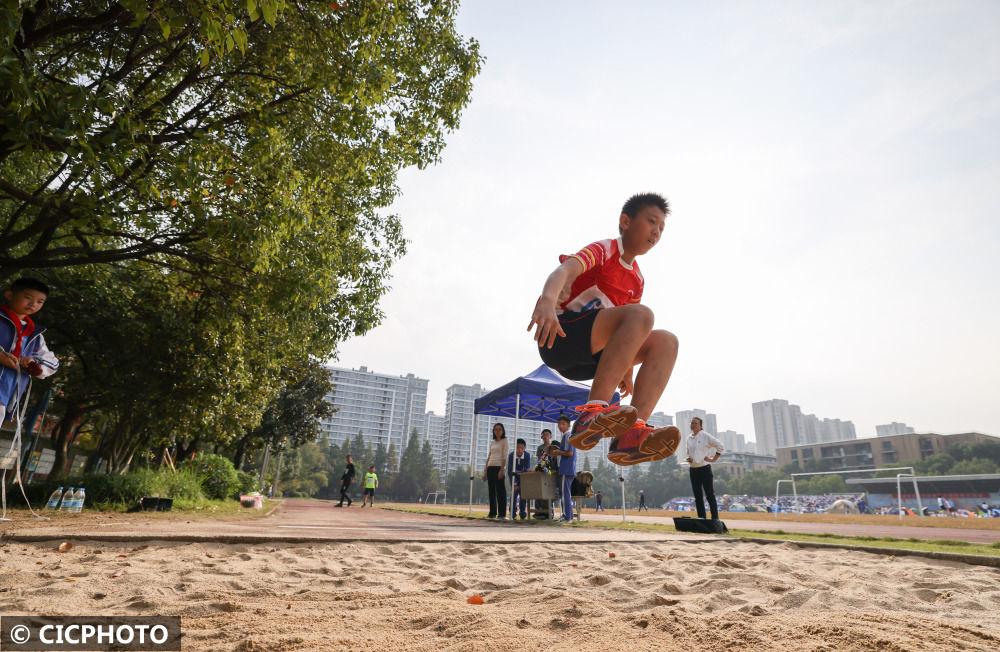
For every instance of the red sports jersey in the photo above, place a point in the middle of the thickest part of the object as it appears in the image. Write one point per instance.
(606, 280)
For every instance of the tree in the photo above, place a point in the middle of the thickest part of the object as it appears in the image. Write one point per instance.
(757, 483)
(457, 487)
(155, 357)
(391, 469)
(973, 467)
(823, 484)
(201, 135)
(304, 471)
(294, 415)
(407, 484)
(357, 446)
(381, 460)
(429, 477)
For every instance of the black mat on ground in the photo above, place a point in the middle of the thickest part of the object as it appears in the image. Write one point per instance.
(700, 525)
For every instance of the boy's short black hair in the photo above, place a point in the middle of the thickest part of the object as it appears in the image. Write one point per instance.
(521, 442)
(639, 201)
(546, 430)
(26, 283)
(564, 418)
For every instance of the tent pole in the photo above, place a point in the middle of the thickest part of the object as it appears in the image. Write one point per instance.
(621, 480)
(517, 420)
(472, 456)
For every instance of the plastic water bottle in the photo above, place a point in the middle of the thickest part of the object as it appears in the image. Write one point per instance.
(54, 499)
(78, 498)
(67, 501)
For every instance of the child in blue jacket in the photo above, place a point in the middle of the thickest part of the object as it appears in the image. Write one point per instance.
(23, 353)
(518, 461)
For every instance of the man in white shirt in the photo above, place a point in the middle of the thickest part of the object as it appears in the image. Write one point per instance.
(699, 445)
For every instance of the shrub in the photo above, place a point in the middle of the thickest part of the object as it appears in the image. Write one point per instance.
(183, 485)
(218, 478)
(248, 482)
(123, 489)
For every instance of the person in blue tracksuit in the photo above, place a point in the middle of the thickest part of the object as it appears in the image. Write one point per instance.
(518, 461)
(567, 469)
(23, 353)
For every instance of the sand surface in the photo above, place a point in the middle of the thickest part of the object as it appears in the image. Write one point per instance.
(412, 596)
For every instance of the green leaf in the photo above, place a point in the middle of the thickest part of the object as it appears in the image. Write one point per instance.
(240, 37)
(270, 9)
(204, 58)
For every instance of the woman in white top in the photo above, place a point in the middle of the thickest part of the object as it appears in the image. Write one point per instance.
(493, 474)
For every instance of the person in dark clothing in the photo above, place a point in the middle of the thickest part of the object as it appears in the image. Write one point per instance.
(699, 445)
(642, 501)
(345, 483)
(518, 461)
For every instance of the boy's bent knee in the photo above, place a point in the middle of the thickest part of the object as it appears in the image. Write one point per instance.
(640, 314)
(664, 341)
(670, 340)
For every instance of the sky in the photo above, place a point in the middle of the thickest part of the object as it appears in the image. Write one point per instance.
(833, 171)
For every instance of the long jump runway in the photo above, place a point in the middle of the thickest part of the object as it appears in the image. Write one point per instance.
(299, 521)
(312, 576)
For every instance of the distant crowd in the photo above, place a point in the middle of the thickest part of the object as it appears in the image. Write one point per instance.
(942, 506)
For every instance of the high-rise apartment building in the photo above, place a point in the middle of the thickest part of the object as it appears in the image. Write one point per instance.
(778, 424)
(460, 407)
(434, 429)
(660, 419)
(733, 441)
(894, 428)
(383, 408)
(459, 416)
(708, 421)
(837, 430)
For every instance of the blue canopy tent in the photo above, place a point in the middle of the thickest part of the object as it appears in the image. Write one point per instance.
(542, 395)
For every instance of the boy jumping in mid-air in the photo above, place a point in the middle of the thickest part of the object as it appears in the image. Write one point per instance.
(590, 324)
(22, 347)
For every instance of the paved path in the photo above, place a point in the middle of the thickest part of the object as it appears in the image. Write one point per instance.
(312, 520)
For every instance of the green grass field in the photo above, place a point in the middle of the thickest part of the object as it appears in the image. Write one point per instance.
(925, 545)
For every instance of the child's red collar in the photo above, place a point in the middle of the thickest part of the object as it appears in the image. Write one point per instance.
(22, 331)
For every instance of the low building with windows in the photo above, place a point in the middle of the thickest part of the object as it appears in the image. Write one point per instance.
(854, 454)
(738, 465)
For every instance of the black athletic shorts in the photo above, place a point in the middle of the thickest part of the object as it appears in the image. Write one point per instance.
(369, 492)
(571, 355)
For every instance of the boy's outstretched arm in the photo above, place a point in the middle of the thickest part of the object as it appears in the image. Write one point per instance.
(43, 364)
(556, 288)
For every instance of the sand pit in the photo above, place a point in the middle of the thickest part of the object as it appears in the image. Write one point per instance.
(396, 596)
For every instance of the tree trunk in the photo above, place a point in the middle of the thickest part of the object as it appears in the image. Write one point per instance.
(241, 452)
(63, 435)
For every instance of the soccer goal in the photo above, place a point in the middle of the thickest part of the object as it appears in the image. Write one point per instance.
(911, 475)
(435, 494)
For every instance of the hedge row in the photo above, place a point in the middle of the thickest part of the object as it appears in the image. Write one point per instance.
(206, 477)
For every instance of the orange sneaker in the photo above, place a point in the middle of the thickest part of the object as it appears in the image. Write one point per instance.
(600, 421)
(662, 441)
(643, 443)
